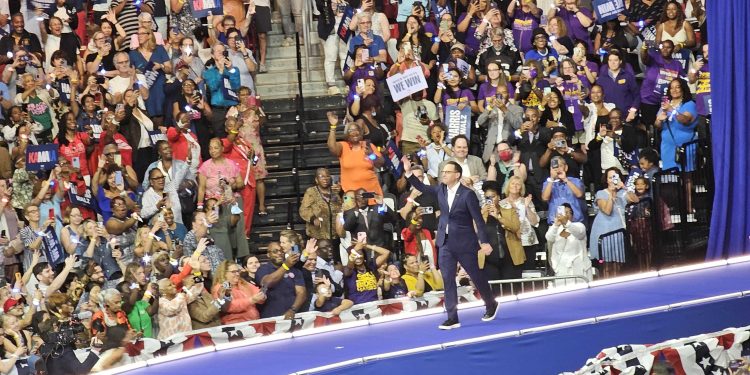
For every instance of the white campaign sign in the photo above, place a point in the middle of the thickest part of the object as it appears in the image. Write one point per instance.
(404, 84)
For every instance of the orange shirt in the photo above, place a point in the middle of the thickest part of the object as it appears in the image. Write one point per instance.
(357, 170)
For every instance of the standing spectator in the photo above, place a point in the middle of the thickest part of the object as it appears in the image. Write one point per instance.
(615, 146)
(173, 308)
(677, 119)
(506, 57)
(127, 12)
(331, 12)
(567, 239)
(175, 170)
(437, 150)
(661, 69)
(109, 314)
(502, 227)
(122, 226)
(611, 202)
(525, 18)
(319, 206)
(507, 166)
(559, 189)
(417, 239)
(286, 293)
(472, 166)
(244, 296)
(40, 104)
(289, 8)
(204, 310)
(153, 61)
(159, 198)
(369, 218)
(673, 26)
(222, 82)
(417, 113)
(200, 227)
(262, 21)
(365, 35)
(242, 58)
(56, 40)
(576, 18)
(356, 157)
(522, 206)
(701, 76)
(619, 85)
(500, 116)
(126, 79)
(19, 38)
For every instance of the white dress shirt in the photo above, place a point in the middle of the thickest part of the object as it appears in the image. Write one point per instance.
(452, 190)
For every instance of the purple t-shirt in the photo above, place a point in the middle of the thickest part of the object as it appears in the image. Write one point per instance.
(523, 25)
(572, 100)
(471, 42)
(703, 91)
(430, 29)
(463, 96)
(575, 29)
(362, 286)
(366, 71)
(582, 73)
(486, 90)
(658, 75)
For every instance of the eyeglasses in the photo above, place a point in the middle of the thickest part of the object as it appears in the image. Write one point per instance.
(122, 62)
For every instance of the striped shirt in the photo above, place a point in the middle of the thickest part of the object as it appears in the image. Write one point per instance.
(128, 17)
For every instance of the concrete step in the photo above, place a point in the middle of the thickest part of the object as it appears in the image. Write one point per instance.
(273, 78)
(289, 90)
(286, 64)
(275, 40)
(276, 51)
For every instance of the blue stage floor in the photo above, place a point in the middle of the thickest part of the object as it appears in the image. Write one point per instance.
(288, 356)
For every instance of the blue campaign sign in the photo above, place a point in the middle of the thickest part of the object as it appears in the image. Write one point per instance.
(52, 248)
(606, 10)
(41, 157)
(81, 200)
(458, 121)
(343, 29)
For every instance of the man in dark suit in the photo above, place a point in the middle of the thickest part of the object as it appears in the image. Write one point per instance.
(369, 219)
(457, 238)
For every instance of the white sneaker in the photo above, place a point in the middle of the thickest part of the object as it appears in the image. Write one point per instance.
(333, 90)
(275, 17)
(288, 42)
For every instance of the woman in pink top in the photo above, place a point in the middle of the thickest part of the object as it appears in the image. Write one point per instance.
(218, 176)
(244, 296)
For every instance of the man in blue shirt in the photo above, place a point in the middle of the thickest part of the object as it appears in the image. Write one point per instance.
(559, 189)
(375, 44)
(223, 82)
(286, 293)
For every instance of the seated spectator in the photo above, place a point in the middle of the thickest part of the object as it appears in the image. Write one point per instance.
(421, 276)
(611, 202)
(369, 219)
(326, 302)
(359, 273)
(320, 205)
(243, 297)
(567, 240)
(282, 283)
(559, 189)
(173, 312)
(393, 285)
(356, 157)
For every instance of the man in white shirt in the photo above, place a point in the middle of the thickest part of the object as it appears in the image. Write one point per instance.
(126, 79)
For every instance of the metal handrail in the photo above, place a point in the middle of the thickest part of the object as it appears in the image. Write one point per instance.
(534, 281)
(307, 17)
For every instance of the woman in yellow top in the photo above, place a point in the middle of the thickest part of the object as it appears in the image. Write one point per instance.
(421, 277)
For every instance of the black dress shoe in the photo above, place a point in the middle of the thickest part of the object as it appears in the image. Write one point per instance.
(450, 324)
(490, 313)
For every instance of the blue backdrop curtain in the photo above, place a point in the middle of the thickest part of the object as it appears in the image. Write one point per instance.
(729, 38)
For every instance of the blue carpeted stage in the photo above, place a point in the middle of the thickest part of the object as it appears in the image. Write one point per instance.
(545, 351)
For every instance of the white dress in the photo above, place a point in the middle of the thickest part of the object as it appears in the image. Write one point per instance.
(569, 256)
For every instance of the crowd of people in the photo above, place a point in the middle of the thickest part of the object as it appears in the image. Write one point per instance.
(139, 226)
